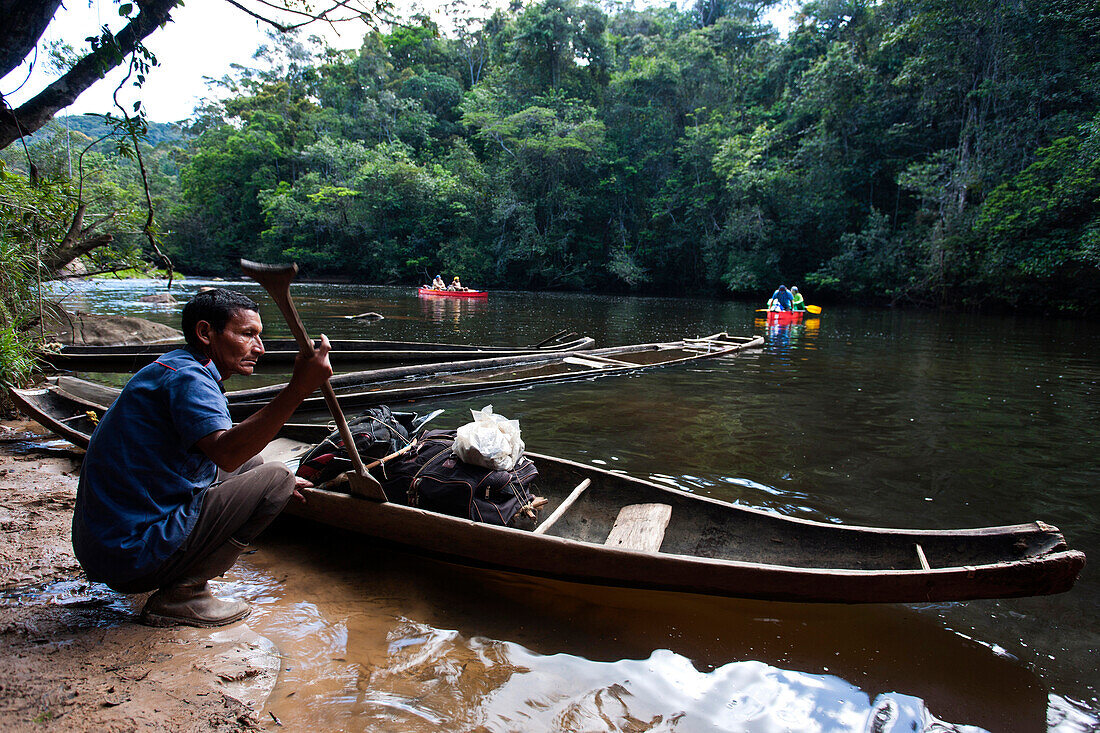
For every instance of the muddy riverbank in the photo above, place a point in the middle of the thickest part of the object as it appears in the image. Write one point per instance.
(72, 656)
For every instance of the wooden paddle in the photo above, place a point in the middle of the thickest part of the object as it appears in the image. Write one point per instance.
(276, 279)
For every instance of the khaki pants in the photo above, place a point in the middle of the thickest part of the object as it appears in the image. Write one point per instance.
(233, 511)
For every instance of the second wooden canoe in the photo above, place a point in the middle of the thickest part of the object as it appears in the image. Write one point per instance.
(280, 353)
(402, 384)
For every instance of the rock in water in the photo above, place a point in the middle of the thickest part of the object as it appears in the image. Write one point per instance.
(85, 328)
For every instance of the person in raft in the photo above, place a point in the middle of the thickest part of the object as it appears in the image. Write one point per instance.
(171, 492)
(456, 284)
(798, 303)
(780, 300)
(438, 284)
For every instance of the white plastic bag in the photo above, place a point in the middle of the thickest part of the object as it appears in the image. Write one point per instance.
(490, 441)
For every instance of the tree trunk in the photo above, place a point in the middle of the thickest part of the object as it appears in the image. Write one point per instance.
(38, 111)
(75, 244)
(24, 23)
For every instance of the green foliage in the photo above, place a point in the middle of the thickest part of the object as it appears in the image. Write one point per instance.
(374, 213)
(136, 272)
(53, 217)
(1041, 226)
(27, 216)
(21, 224)
(557, 45)
(902, 151)
(17, 361)
(873, 264)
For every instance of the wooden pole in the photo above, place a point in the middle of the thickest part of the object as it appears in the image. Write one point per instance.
(276, 280)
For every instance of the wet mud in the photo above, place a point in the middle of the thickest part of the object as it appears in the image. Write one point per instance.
(72, 656)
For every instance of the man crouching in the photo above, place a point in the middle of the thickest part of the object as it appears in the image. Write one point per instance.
(171, 491)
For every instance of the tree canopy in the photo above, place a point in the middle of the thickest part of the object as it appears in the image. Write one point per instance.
(26, 21)
(895, 151)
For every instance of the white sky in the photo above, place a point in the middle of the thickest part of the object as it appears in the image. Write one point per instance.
(205, 37)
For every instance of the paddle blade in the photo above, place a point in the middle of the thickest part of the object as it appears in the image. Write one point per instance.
(815, 309)
(275, 278)
(365, 485)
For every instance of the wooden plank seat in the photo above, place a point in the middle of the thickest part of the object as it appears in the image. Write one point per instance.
(587, 361)
(606, 360)
(640, 527)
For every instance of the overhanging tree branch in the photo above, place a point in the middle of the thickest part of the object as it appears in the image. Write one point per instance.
(38, 111)
(26, 22)
(353, 10)
(28, 19)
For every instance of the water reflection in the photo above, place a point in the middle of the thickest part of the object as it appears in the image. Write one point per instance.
(448, 310)
(376, 640)
(782, 337)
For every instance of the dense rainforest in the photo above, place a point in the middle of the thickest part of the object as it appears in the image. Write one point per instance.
(919, 152)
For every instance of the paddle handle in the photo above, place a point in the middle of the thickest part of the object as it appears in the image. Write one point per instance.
(275, 279)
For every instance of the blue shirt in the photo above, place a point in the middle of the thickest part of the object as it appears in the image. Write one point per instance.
(143, 480)
(783, 297)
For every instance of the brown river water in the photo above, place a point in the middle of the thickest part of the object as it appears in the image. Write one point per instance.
(864, 416)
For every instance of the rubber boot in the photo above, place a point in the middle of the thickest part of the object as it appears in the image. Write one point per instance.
(191, 605)
(189, 601)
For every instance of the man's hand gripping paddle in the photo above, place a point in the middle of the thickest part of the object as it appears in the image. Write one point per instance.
(276, 279)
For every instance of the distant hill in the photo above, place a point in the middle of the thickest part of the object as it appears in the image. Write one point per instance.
(95, 127)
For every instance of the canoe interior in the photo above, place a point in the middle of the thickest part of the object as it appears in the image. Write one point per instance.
(713, 529)
(562, 368)
(337, 345)
(705, 528)
(69, 417)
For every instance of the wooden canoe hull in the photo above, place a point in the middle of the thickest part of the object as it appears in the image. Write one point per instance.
(514, 550)
(380, 386)
(397, 384)
(709, 547)
(64, 414)
(1022, 560)
(281, 353)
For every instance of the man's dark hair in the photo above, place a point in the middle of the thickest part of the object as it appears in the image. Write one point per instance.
(215, 306)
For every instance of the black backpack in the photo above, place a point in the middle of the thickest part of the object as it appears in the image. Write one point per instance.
(431, 477)
(378, 432)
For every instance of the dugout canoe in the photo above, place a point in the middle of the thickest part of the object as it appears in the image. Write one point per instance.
(360, 389)
(281, 353)
(606, 528)
(433, 293)
(416, 382)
